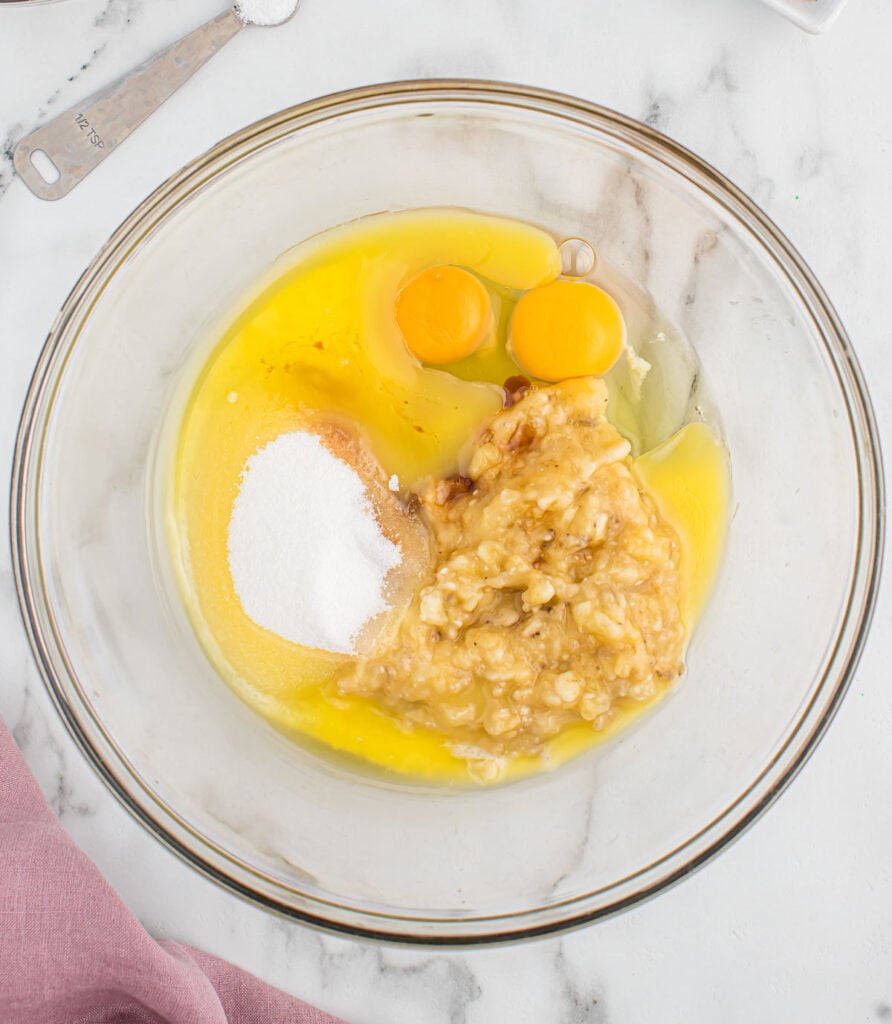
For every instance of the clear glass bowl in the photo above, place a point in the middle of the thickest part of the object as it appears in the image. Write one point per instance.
(265, 817)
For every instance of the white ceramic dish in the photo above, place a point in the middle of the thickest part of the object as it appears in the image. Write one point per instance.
(812, 15)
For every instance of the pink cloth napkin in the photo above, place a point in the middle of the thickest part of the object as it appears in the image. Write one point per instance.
(71, 952)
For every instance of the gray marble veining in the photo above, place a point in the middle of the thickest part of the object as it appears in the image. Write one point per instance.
(790, 924)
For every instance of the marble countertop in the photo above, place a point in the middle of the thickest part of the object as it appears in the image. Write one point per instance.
(794, 922)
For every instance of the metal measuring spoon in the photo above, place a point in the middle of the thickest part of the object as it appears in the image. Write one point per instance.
(62, 152)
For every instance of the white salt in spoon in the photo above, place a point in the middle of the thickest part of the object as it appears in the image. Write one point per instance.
(62, 152)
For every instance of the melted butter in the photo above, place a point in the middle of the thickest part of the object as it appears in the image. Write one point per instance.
(689, 479)
(324, 338)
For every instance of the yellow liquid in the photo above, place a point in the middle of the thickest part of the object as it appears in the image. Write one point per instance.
(323, 338)
(689, 479)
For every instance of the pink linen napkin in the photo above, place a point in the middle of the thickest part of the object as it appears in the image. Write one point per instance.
(71, 952)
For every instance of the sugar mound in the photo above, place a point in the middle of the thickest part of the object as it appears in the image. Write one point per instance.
(265, 12)
(306, 553)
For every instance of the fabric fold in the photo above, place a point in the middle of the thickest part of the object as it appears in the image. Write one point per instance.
(72, 953)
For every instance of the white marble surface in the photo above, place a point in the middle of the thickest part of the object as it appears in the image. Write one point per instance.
(793, 923)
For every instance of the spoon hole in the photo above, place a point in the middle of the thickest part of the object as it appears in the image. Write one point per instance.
(45, 167)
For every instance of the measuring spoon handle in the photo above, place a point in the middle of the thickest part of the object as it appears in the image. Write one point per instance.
(82, 137)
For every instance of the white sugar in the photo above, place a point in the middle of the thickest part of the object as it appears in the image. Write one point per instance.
(306, 553)
(265, 12)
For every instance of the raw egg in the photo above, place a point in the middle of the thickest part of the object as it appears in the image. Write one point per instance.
(444, 314)
(567, 329)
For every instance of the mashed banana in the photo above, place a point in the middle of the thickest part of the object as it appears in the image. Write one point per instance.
(555, 590)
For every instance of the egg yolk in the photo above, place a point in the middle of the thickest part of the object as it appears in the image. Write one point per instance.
(444, 314)
(567, 329)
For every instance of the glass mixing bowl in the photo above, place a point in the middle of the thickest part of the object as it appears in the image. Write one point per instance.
(267, 818)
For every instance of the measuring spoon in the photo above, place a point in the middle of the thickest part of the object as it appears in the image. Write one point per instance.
(54, 158)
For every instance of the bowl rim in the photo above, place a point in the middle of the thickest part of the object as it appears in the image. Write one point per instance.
(162, 821)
